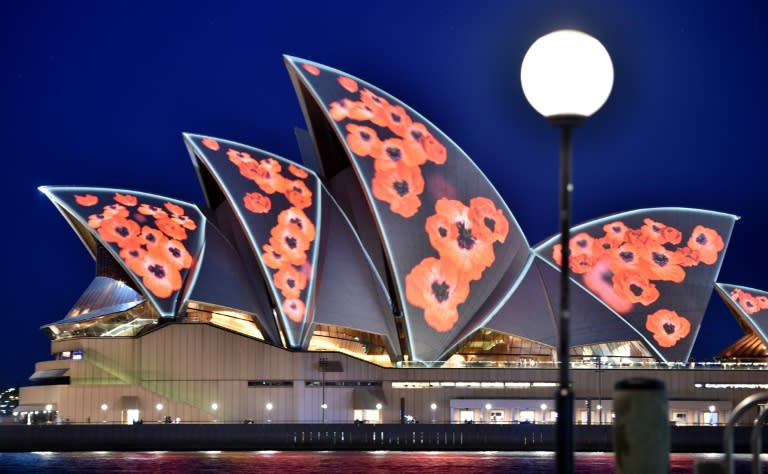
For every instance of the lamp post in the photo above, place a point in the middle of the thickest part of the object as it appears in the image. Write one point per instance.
(566, 76)
(433, 407)
(269, 407)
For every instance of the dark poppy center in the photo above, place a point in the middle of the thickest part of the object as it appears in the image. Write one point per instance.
(659, 259)
(401, 188)
(465, 238)
(175, 252)
(627, 256)
(616, 229)
(122, 231)
(490, 223)
(291, 241)
(607, 277)
(298, 222)
(157, 270)
(297, 189)
(394, 153)
(655, 228)
(442, 231)
(749, 303)
(606, 245)
(290, 282)
(395, 117)
(441, 291)
(134, 253)
(701, 239)
(669, 328)
(150, 237)
(416, 134)
(635, 289)
(276, 255)
(582, 243)
(365, 136)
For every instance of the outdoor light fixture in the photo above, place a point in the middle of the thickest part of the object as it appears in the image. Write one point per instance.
(433, 406)
(711, 408)
(104, 407)
(159, 406)
(379, 406)
(214, 406)
(48, 407)
(566, 76)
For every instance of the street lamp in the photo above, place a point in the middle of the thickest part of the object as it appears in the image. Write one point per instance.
(433, 407)
(159, 407)
(269, 407)
(543, 407)
(566, 76)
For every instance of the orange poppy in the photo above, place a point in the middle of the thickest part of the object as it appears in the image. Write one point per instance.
(298, 194)
(735, 294)
(239, 158)
(154, 211)
(440, 231)
(257, 203)
(294, 308)
(748, 303)
(667, 327)
(707, 242)
(581, 244)
(118, 230)
(211, 144)
(603, 246)
(272, 258)
(436, 152)
(398, 120)
(133, 256)
(266, 178)
(95, 220)
(599, 280)
(652, 230)
(86, 201)
(348, 83)
(687, 257)
(762, 301)
(377, 104)
(466, 251)
(340, 110)
(126, 199)
(360, 111)
(311, 69)
(152, 238)
(298, 172)
(635, 288)
(557, 254)
(437, 287)
(490, 221)
(290, 242)
(363, 140)
(580, 264)
(174, 209)
(297, 217)
(670, 235)
(290, 281)
(625, 258)
(393, 151)
(171, 228)
(616, 231)
(175, 253)
(115, 210)
(661, 264)
(636, 237)
(185, 221)
(413, 137)
(399, 186)
(159, 276)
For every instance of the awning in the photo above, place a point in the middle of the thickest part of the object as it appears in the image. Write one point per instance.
(130, 402)
(48, 374)
(367, 398)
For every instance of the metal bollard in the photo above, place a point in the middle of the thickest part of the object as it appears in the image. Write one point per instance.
(641, 428)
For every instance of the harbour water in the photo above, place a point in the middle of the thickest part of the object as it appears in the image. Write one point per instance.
(289, 462)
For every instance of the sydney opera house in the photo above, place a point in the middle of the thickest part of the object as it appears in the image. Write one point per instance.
(383, 277)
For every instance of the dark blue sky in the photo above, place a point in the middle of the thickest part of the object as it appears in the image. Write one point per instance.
(98, 93)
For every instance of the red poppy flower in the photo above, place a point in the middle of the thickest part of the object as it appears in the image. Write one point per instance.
(298, 172)
(749, 303)
(95, 220)
(340, 110)
(297, 217)
(211, 144)
(667, 327)
(414, 135)
(762, 301)
(437, 287)
(652, 230)
(290, 281)
(490, 221)
(298, 194)
(707, 242)
(239, 158)
(152, 238)
(126, 199)
(86, 201)
(115, 210)
(735, 294)
(175, 253)
(311, 69)
(467, 251)
(363, 141)
(625, 258)
(153, 211)
(348, 83)
(289, 241)
(159, 276)
(398, 120)
(133, 256)
(580, 264)
(185, 221)
(436, 152)
(174, 209)
(687, 257)
(636, 237)
(661, 264)
(360, 111)
(599, 281)
(294, 308)
(272, 258)
(635, 288)
(264, 175)
(399, 186)
(440, 231)
(118, 230)
(557, 254)
(616, 231)
(603, 246)
(171, 228)
(257, 203)
(581, 244)
(392, 152)
(377, 104)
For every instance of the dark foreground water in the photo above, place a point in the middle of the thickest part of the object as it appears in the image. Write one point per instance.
(326, 462)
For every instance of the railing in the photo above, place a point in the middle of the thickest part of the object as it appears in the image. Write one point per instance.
(606, 363)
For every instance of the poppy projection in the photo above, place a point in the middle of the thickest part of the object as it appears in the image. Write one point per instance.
(748, 305)
(156, 239)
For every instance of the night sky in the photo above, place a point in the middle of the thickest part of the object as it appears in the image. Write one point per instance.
(98, 93)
